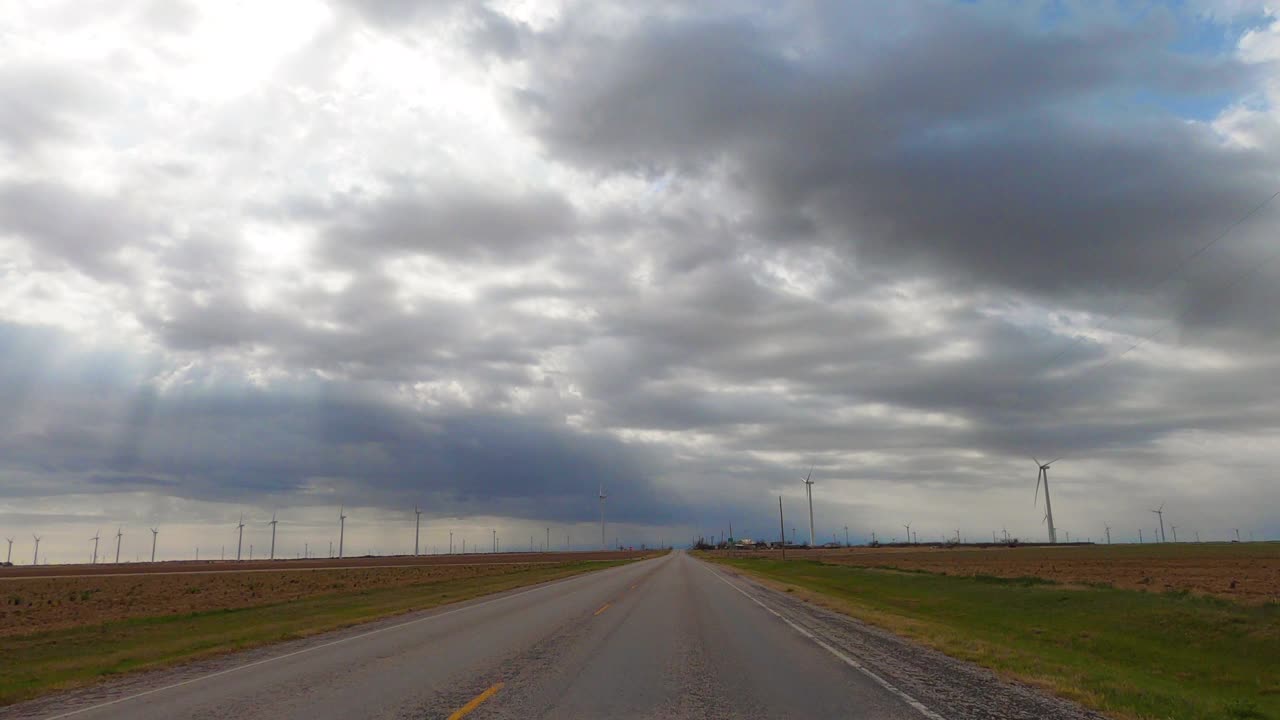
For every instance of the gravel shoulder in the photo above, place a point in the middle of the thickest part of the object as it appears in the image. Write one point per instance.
(951, 688)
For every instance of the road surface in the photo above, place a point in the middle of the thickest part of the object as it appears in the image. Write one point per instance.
(671, 637)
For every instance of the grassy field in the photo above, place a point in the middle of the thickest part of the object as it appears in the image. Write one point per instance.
(37, 663)
(1130, 654)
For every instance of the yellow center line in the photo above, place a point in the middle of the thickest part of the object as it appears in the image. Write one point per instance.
(465, 710)
(602, 609)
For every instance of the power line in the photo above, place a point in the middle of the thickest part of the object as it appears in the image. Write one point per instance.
(1182, 264)
(1252, 269)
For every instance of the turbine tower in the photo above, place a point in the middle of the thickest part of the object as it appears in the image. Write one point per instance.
(808, 489)
(35, 556)
(908, 527)
(240, 539)
(342, 528)
(273, 535)
(8, 560)
(1160, 514)
(1043, 476)
(602, 499)
(96, 536)
(1108, 527)
(119, 535)
(155, 532)
(417, 524)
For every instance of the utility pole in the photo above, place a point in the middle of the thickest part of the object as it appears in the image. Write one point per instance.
(782, 529)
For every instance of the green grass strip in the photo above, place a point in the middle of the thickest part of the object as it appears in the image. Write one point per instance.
(1129, 654)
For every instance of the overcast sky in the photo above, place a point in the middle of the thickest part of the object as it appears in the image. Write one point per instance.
(287, 256)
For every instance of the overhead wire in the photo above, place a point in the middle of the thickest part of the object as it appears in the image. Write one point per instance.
(1178, 268)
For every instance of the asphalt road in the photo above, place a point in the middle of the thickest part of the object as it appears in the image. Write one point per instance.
(671, 637)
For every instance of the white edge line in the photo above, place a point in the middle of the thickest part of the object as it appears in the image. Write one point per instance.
(834, 651)
(255, 663)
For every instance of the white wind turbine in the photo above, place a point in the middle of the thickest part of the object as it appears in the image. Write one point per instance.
(417, 524)
(603, 497)
(273, 535)
(1043, 476)
(342, 528)
(808, 489)
(35, 556)
(8, 560)
(119, 537)
(240, 537)
(96, 536)
(155, 533)
(1160, 514)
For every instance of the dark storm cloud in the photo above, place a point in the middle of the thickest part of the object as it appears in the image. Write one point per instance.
(97, 419)
(984, 150)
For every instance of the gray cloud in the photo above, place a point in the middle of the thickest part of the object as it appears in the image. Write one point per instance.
(68, 226)
(980, 150)
(747, 239)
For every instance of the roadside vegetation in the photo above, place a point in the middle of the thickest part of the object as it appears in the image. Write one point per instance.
(1129, 654)
(36, 663)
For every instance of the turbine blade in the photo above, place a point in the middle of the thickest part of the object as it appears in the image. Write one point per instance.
(1036, 500)
(1053, 461)
(1037, 462)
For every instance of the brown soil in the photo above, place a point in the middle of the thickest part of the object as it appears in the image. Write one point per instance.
(36, 603)
(1245, 572)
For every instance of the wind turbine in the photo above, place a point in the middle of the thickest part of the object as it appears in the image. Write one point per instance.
(808, 489)
(417, 523)
(240, 539)
(1160, 514)
(273, 535)
(908, 527)
(155, 532)
(119, 536)
(96, 536)
(1174, 528)
(35, 557)
(603, 497)
(846, 536)
(1108, 527)
(1237, 534)
(342, 528)
(1043, 476)
(8, 560)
